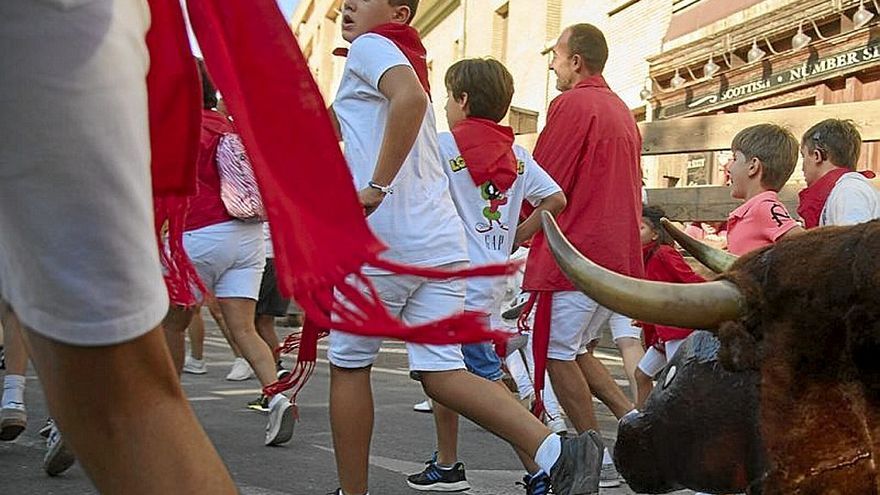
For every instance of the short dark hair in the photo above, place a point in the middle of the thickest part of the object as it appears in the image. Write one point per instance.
(775, 146)
(588, 41)
(653, 214)
(209, 92)
(488, 84)
(838, 140)
(412, 4)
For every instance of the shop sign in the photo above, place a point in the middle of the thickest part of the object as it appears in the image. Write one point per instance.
(727, 95)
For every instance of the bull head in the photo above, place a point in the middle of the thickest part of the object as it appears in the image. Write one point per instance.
(808, 309)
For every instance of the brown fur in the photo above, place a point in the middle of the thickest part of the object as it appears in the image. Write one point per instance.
(813, 330)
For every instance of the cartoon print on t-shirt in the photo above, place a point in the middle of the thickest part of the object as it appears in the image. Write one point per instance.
(496, 199)
(777, 212)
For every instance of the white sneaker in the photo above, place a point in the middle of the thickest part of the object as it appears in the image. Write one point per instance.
(609, 477)
(58, 457)
(241, 370)
(195, 366)
(279, 429)
(424, 406)
(558, 426)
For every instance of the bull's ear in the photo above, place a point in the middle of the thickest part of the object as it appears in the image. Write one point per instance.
(705, 305)
(715, 259)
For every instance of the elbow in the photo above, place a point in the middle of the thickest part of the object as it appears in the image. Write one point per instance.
(413, 101)
(557, 203)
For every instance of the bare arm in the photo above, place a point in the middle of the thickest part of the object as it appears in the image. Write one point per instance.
(791, 233)
(554, 203)
(407, 104)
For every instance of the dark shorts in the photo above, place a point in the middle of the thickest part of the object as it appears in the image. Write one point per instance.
(271, 302)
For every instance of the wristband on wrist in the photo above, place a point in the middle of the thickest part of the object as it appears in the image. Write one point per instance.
(381, 188)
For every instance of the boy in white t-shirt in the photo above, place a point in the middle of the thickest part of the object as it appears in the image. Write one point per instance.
(489, 178)
(387, 125)
(836, 194)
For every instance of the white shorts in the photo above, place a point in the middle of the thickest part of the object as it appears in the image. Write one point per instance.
(415, 300)
(229, 257)
(79, 261)
(622, 327)
(576, 321)
(653, 361)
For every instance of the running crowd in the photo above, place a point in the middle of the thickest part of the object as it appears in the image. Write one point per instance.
(440, 201)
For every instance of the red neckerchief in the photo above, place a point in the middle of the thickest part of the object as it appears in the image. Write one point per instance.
(306, 186)
(813, 198)
(486, 148)
(409, 43)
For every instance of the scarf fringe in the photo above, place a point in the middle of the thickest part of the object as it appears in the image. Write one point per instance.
(356, 308)
(179, 273)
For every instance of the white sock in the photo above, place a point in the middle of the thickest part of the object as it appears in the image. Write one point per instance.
(13, 390)
(549, 451)
(606, 457)
(276, 399)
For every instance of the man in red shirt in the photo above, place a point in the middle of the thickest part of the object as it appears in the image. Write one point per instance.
(591, 147)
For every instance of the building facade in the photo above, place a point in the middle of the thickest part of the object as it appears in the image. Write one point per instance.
(659, 53)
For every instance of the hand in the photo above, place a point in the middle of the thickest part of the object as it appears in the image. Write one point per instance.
(370, 199)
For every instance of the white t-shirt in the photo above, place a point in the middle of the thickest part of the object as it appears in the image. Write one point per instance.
(490, 218)
(417, 221)
(852, 200)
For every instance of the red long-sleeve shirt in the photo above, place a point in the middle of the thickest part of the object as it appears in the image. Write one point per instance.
(663, 263)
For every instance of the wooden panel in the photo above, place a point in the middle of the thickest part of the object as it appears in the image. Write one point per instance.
(712, 203)
(715, 132)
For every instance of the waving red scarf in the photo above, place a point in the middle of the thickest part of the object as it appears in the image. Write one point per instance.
(409, 43)
(486, 149)
(320, 235)
(812, 199)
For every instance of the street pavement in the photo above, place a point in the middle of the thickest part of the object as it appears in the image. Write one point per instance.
(402, 439)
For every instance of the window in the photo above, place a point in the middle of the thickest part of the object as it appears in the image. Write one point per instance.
(499, 32)
(523, 121)
(553, 22)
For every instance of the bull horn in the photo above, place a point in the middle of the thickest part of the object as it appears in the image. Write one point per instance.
(704, 305)
(715, 259)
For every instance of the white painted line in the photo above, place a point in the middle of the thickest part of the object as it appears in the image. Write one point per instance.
(202, 399)
(232, 393)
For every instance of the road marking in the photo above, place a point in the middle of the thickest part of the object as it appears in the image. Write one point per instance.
(202, 399)
(231, 393)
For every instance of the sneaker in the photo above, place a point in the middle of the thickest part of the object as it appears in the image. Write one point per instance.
(279, 429)
(2, 358)
(558, 426)
(13, 420)
(538, 484)
(282, 374)
(436, 479)
(58, 457)
(195, 366)
(423, 406)
(241, 370)
(576, 472)
(261, 404)
(609, 477)
(47, 428)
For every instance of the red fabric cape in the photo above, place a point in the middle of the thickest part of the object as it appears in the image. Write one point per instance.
(409, 43)
(319, 232)
(812, 199)
(487, 151)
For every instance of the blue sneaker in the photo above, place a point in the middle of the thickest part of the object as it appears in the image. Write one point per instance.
(436, 479)
(539, 484)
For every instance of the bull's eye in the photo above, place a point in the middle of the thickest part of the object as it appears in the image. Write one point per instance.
(670, 375)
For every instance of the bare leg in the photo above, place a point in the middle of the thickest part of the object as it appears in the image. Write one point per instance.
(603, 385)
(351, 420)
(175, 324)
(631, 351)
(15, 350)
(214, 309)
(238, 313)
(573, 393)
(446, 422)
(487, 404)
(645, 385)
(148, 442)
(196, 331)
(266, 329)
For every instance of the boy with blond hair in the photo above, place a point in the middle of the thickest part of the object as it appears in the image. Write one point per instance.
(387, 124)
(764, 156)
